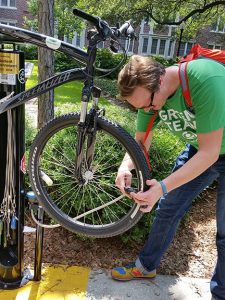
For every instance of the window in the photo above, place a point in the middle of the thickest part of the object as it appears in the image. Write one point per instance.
(162, 47)
(214, 46)
(158, 46)
(78, 41)
(185, 48)
(151, 45)
(219, 26)
(145, 45)
(131, 44)
(125, 43)
(189, 46)
(154, 46)
(8, 3)
(11, 23)
(182, 49)
(122, 42)
(170, 54)
(68, 40)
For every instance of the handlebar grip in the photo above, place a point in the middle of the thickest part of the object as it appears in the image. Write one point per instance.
(124, 27)
(80, 13)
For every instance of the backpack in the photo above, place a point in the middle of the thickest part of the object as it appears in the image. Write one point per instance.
(196, 52)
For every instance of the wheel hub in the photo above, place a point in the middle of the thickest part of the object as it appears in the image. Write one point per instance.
(88, 175)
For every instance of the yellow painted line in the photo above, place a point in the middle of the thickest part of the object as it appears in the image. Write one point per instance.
(58, 283)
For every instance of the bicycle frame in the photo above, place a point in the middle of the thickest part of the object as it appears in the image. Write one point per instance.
(15, 35)
(18, 35)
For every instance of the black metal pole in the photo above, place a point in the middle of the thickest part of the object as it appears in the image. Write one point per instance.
(12, 79)
(179, 43)
(39, 245)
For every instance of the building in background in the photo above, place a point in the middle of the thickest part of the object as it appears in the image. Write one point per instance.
(12, 12)
(152, 39)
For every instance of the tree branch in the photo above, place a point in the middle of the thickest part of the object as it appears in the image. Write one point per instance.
(149, 13)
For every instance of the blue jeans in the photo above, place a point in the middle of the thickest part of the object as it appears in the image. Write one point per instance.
(173, 207)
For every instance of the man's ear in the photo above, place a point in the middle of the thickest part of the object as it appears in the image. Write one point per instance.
(161, 79)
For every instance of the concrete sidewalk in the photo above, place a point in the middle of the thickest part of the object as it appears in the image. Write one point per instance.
(102, 287)
(62, 282)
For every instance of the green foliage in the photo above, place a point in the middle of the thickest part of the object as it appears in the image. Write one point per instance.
(161, 12)
(140, 231)
(30, 133)
(108, 86)
(30, 51)
(164, 150)
(107, 60)
(165, 62)
(66, 22)
(64, 62)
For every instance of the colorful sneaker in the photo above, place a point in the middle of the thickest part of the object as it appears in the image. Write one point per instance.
(130, 272)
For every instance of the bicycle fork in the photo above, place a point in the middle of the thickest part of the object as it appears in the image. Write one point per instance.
(87, 127)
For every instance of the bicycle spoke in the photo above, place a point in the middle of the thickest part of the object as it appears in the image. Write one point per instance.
(100, 188)
(94, 203)
(103, 203)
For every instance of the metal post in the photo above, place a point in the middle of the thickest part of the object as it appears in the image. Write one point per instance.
(182, 25)
(12, 79)
(39, 246)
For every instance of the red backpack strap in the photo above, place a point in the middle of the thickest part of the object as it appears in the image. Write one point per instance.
(184, 83)
(150, 124)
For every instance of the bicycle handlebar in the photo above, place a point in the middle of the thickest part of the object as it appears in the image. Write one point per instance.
(80, 13)
(103, 27)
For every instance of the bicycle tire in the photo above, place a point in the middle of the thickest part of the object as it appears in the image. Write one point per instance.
(43, 146)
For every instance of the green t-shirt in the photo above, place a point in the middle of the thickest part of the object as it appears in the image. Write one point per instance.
(206, 80)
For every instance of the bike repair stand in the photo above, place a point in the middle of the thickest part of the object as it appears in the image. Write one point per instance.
(12, 170)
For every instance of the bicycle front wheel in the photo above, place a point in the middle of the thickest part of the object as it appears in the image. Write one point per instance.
(95, 208)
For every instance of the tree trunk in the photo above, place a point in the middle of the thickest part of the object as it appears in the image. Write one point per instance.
(45, 60)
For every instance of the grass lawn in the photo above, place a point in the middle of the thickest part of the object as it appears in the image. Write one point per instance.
(67, 99)
(69, 93)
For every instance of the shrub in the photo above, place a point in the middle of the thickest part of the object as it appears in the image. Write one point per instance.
(107, 60)
(64, 62)
(30, 51)
(165, 62)
(108, 86)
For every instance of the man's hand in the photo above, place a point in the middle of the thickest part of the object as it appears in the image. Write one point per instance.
(150, 197)
(123, 178)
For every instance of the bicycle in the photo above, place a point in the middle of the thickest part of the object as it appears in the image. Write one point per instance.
(69, 171)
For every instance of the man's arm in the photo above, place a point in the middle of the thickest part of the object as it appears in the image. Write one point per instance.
(139, 137)
(208, 153)
(124, 175)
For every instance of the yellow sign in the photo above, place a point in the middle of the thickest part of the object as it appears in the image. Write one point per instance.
(9, 63)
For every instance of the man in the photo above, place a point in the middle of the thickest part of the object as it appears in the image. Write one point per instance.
(146, 85)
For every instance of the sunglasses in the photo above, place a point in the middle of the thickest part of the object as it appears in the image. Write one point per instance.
(152, 99)
(150, 103)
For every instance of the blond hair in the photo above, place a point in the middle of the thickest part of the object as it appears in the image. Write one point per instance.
(140, 71)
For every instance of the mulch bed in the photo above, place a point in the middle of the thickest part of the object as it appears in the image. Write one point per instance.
(192, 252)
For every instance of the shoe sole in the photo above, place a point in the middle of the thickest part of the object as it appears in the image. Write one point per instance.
(133, 278)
